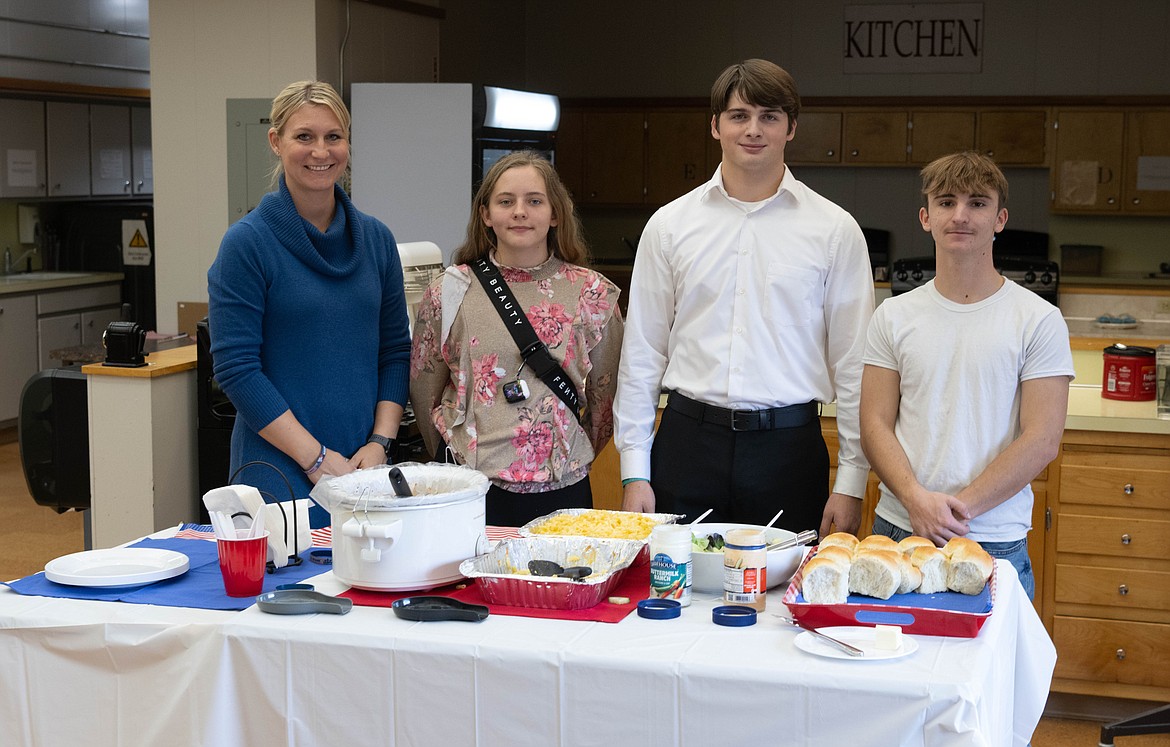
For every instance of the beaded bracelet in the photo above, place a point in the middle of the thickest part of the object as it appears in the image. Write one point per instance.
(317, 464)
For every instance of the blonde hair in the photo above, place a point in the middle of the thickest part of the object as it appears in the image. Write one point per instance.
(296, 95)
(565, 240)
(964, 172)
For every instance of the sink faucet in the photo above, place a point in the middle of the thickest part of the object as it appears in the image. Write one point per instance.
(10, 263)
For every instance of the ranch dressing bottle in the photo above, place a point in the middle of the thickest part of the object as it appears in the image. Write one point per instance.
(745, 568)
(670, 563)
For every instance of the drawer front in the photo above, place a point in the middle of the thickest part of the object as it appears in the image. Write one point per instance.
(87, 297)
(1107, 535)
(1120, 588)
(1111, 651)
(1108, 486)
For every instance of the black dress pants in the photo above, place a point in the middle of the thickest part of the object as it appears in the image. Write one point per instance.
(745, 476)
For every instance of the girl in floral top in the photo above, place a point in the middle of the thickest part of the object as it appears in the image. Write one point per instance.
(535, 452)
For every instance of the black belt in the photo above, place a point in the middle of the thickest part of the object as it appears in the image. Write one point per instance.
(792, 416)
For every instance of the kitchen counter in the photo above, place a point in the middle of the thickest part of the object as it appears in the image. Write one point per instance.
(36, 282)
(1150, 332)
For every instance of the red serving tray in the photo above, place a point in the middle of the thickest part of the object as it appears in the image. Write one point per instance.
(943, 614)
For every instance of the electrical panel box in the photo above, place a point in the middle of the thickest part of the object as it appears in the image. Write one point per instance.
(250, 160)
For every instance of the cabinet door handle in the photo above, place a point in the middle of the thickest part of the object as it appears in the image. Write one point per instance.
(854, 152)
(991, 154)
(1120, 654)
(830, 153)
(1110, 201)
(1137, 201)
(1128, 489)
(1123, 590)
(1125, 538)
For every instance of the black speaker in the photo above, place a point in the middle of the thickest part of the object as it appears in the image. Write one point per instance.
(53, 430)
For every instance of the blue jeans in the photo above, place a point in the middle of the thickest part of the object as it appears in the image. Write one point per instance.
(1015, 552)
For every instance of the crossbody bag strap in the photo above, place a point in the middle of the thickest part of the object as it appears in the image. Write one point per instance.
(533, 351)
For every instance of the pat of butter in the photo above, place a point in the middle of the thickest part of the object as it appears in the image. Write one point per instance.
(887, 637)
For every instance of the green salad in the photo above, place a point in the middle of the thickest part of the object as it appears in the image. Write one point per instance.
(707, 542)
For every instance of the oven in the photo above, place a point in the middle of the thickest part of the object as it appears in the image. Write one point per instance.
(1039, 275)
(1020, 256)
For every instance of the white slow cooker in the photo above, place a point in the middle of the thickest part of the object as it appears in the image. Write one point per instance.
(383, 542)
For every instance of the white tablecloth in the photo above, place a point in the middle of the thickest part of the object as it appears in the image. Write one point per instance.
(104, 673)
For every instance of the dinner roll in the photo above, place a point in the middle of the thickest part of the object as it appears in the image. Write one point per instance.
(908, 544)
(876, 573)
(877, 542)
(911, 576)
(825, 581)
(837, 554)
(841, 539)
(933, 565)
(968, 566)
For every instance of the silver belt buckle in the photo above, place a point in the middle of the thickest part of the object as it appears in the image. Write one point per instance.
(735, 416)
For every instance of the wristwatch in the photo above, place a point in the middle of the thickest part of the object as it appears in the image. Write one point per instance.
(387, 445)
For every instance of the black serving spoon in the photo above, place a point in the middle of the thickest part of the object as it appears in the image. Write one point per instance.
(549, 568)
(427, 609)
(399, 483)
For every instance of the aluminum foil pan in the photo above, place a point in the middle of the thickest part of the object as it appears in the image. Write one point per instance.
(503, 577)
(532, 528)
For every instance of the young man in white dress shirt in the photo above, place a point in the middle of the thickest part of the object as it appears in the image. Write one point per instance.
(749, 303)
(965, 385)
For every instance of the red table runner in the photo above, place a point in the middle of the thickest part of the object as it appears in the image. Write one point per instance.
(634, 584)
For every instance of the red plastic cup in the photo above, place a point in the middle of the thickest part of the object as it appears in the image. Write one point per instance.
(242, 563)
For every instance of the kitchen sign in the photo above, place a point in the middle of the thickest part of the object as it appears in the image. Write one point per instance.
(918, 38)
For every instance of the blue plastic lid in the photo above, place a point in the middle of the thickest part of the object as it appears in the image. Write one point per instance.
(733, 616)
(659, 609)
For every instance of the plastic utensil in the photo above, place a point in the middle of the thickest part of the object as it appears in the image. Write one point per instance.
(703, 515)
(549, 568)
(427, 609)
(777, 516)
(399, 483)
(302, 602)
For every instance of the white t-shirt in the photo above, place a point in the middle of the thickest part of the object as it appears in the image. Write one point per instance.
(961, 368)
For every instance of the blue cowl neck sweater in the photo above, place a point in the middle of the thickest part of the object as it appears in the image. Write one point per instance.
(309, 322)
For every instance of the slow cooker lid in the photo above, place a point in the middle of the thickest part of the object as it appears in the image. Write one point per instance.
(370, 489)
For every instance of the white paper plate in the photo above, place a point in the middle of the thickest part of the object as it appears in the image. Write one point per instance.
(860, 636)
(117, 566)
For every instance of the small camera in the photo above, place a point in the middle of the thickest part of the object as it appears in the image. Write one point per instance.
(516, 391)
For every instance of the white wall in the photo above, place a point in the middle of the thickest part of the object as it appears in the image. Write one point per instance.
(203, 53)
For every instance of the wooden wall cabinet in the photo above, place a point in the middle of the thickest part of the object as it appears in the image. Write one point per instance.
(875, 137)
(1112, 161)
(641, 157)
(939, 133)
(1108, 566)
(1147, 153)
(817, 140)
(1090, 148)
(676, 153)
(1014, 138)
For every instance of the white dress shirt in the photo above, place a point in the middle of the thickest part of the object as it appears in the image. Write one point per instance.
(746, 306)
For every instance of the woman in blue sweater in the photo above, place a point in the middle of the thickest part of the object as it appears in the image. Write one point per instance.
(307, 313)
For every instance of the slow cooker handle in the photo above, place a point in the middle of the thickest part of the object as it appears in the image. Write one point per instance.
(371, 532)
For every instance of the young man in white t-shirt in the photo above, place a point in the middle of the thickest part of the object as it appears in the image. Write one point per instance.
(965, 387)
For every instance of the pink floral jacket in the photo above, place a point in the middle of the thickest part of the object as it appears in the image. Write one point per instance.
(535, 445)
